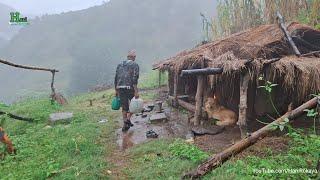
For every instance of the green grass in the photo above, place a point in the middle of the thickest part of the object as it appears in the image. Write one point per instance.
(64, 151)
(303, 153)
(163, 159)
(81, 149)
(150, 80)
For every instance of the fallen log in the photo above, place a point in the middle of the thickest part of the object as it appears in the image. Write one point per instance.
(16, 117)
(204, 71)
(221, 157)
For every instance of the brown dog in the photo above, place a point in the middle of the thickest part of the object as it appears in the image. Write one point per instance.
(5, 140)
(225, 117)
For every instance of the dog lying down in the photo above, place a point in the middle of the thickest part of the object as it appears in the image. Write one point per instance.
(225, 117)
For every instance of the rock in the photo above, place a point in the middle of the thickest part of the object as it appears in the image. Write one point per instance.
(156, 118)
(103, 121)
(190, 137)
(47, 127)
(207, 130)
(60, 117)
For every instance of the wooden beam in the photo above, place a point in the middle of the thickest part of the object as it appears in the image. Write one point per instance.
(204, 71)
(221, 157)
(188, 106)
(311, 53)
(270, 61)
(287, 35)
(27, 67)
(16, 117)
(243, 104)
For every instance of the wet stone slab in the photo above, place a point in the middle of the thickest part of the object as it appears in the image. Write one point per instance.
(65, 117)
(158, 118)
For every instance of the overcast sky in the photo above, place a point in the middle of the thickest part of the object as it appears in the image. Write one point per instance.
(38, 7)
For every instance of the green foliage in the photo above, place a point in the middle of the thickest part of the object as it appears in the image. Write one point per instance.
(311, 112)
(268, 86)
(183, 150)
(234, 15)
(280, 125)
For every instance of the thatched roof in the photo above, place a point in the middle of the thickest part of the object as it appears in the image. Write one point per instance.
(266, 42)
(258, 45)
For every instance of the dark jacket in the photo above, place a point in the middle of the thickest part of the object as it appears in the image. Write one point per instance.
(127, 74)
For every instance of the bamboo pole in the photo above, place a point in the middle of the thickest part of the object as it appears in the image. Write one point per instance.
(221, 157)
(286, 33)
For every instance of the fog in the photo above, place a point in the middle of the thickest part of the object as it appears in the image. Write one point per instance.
(86, 45)
(39, 7)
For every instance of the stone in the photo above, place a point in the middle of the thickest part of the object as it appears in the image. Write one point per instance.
(60, 117)
(103, 121)
(159, 117)
(190, 137)
(210, 130)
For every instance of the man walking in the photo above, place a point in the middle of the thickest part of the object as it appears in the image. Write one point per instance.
(126, 82)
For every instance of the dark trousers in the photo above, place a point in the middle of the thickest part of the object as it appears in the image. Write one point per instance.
(125, 97)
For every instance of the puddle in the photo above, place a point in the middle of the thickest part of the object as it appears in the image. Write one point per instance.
(137, 134)
(175, 127)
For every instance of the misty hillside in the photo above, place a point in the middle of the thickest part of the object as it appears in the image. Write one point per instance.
(6, 31)
(86, 45)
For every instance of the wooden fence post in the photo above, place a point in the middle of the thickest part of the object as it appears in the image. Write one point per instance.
(244, 82)
(175, 89)
(199, 100)
(159, 78)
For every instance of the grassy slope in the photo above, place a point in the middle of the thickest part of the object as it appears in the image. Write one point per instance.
(72, 151)
(86, 150)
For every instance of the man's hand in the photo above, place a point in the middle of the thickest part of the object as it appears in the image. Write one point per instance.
(116, 92)
(136, 92)
(136, 95)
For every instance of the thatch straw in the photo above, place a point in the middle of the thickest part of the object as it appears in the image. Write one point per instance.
(299, 76)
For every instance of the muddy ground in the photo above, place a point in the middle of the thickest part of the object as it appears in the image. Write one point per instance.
(177, 127)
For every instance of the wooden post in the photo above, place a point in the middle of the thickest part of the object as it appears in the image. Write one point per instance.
(53, 91)
(199, 100)
(175, 89)
(244, 81)
(159, 78)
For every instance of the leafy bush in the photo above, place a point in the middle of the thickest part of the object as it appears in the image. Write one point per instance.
(187, 151)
